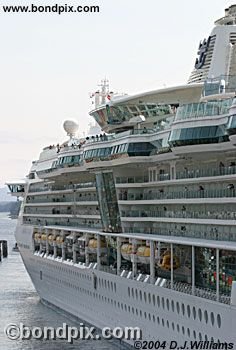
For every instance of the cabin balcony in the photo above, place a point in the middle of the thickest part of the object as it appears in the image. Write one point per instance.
(183, 214)
(191, 230)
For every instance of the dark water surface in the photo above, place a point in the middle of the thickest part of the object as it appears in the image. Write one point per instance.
(19, 302)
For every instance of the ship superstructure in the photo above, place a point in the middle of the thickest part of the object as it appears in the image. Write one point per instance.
(138, 222)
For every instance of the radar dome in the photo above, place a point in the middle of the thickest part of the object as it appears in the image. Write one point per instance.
(71, 127)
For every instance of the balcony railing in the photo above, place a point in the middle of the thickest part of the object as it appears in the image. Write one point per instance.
(114, 137)
(183, 231)
(66, 199)
(57, 222)
(45, 211)
(186, 174)
(199, 292)
(184, 194)
(62, 187)
(179, 214)
(195, 173)
(140, 179)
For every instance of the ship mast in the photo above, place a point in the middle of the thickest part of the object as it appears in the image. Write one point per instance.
(103, 94)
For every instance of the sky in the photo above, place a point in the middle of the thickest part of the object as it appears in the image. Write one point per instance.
(49, 64)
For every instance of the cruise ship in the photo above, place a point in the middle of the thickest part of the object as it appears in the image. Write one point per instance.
(136, 226)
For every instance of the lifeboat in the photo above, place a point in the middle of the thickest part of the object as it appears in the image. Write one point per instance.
(37, 237)
(143, 254)
(51, 239)
(59, 240)
(93, 244)
(44, 237)
(165, 263)
(126, 251)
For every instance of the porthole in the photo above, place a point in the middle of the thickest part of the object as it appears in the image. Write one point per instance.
(212, 319)
(145, 314)
(218, 321)
(153, 318)
(173, 305)
(137, 312)
(154, 300)
(200, 336)
(140, 313)
(188, 332)
(188, 311)
(168, 304)
(194, 313)
(183, 309)
(173, 326)
(145, 297)
(177, 307)
(167, 323)
(149, 298)
(149, 316)
(206, 338)
(163, 302)
(194, 334)
(129, 291)
(158, 301)
(206, 316)
(177, 328)
(158, 319)
(140, 295)
(136, 293)
(200, 314)
(163, 322)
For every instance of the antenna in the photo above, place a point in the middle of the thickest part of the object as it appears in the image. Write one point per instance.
(105, 90)
(101, 96)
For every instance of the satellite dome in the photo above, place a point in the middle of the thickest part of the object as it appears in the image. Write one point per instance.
(71, 127)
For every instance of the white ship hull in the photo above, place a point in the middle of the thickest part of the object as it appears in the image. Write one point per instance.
(161, 314)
